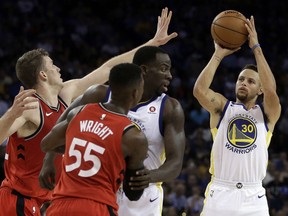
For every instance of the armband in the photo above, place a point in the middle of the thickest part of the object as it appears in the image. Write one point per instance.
(255, 46)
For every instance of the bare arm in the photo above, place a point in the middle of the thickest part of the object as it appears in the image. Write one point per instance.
(55, 138)
(212, 101)
(15, 117)
(271, 102)
(74, 88)
(134, 148)
(93, 94)
(174, 141)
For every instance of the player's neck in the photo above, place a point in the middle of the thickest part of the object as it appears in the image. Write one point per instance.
(49, 95)
(49, 99)
(248, 104)
(147, 97)
(115, 107)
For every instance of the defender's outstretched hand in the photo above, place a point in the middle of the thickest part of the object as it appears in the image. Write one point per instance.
(23, 101)
(161, 36)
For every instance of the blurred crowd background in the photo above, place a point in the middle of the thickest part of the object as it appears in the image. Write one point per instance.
(81, 35)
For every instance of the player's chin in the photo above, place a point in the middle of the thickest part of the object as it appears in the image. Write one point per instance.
(241, 97)
(160, 92)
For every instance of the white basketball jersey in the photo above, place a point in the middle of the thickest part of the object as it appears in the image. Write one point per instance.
(240, 147)
(148, 116)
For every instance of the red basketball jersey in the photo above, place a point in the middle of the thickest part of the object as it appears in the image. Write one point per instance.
(93, 163)
(24, 158)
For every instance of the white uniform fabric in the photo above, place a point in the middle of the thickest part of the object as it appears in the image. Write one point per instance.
(150, 203)
(148, 116)
(235, 199)
(239, 159)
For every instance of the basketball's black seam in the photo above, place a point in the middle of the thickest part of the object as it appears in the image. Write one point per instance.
(229, 29)
(220, 39)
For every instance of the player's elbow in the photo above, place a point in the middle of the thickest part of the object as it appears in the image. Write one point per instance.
(197, 91)
(175, 171)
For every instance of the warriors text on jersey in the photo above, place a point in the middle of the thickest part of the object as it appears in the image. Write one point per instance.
(93, 164)
(240, 148)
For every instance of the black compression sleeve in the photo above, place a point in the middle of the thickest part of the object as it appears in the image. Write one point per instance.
(132, 195)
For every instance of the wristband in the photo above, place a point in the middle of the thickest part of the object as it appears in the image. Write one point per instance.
(255, 46)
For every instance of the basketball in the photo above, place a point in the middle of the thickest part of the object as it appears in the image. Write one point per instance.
(228, 29)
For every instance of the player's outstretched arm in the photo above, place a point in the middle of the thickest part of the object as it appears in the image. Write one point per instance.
(271, 102)
(74, 88)
(212, 101)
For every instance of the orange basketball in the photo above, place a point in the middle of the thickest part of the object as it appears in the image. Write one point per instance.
(228, 29)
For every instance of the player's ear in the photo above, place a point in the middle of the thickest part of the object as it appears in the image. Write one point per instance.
(135, 93)
(144, 69)
(42, 75)
(260, 92)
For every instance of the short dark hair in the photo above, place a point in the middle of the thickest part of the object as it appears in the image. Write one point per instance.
(147, 54)
(124, 75)
(251, 67)
(29, 65)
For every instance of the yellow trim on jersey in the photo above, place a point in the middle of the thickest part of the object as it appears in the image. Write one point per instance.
(163, 156)
(214, 132)
(136, 125)
(268, 138)
(211, 169)
(158, 185)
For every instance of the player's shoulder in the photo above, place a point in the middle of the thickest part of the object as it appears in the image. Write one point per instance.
(172, 103)
(172, 107)
(95, 89)
(96, 92)
(134, 134)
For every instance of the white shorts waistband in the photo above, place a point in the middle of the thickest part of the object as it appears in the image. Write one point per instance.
(235, 184)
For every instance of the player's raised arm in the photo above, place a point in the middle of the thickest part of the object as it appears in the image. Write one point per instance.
(271, 102)
(74, 88)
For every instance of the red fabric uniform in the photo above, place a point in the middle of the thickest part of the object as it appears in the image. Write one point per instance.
(23, 162)
(93, 164)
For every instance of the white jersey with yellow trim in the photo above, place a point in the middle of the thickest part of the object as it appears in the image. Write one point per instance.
(240, 147)
(148, 116)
